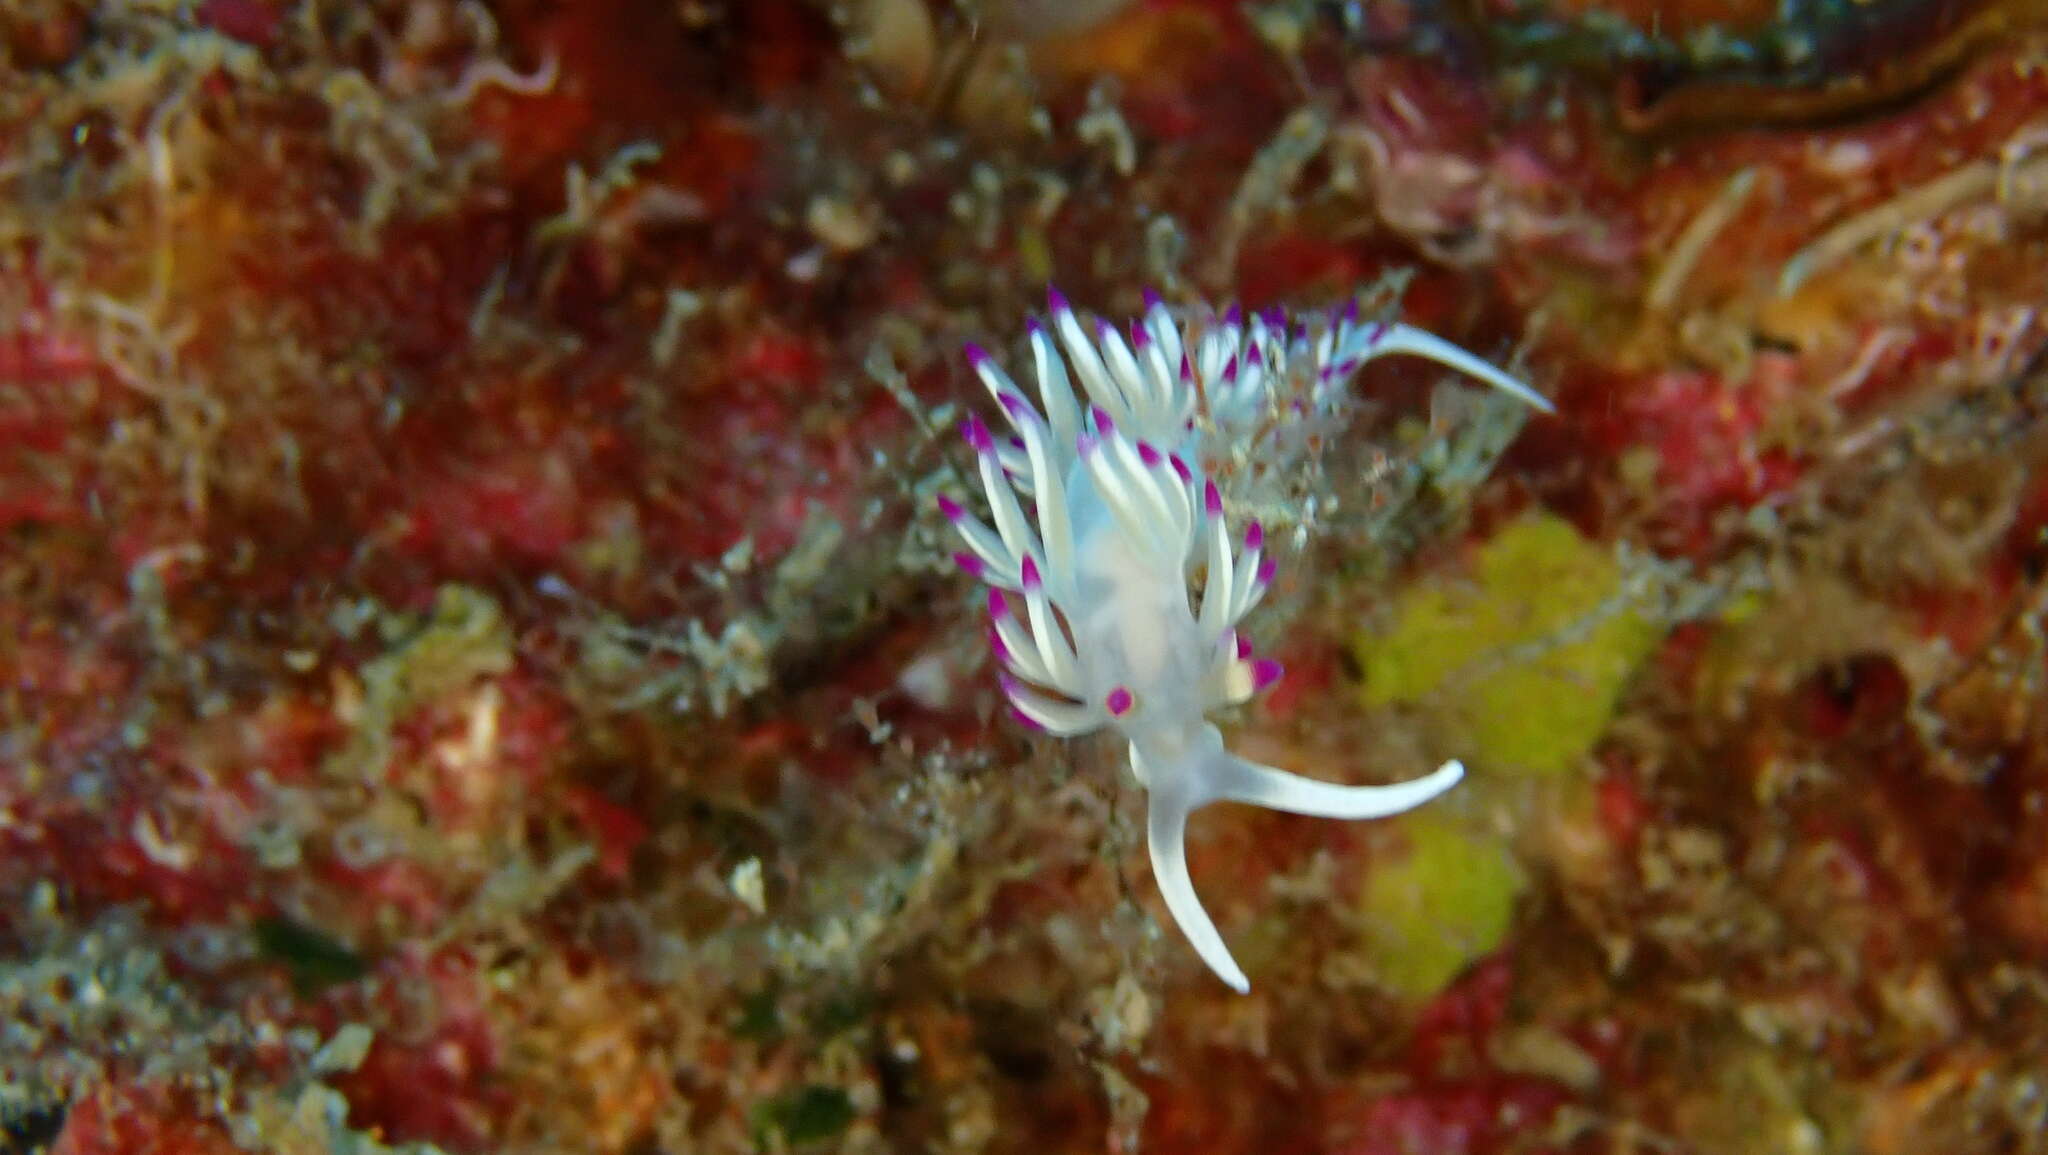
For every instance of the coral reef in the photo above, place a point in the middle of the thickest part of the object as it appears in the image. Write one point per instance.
(483, 669)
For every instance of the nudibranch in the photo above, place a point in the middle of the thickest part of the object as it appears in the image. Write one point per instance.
(1116, 584)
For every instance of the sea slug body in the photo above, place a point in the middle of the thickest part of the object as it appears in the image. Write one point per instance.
(1093, 606)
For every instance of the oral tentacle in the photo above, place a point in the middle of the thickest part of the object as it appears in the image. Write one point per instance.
(1239, 780)
(1166, 821)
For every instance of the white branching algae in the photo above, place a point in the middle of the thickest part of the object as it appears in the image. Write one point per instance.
(1116, 583)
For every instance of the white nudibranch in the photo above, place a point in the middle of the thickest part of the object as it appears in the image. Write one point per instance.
(1105, 521)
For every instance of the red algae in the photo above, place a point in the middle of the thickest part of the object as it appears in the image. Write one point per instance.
(119, 1120)
(477, 671)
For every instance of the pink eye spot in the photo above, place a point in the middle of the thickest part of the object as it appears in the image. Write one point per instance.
(1120, 701)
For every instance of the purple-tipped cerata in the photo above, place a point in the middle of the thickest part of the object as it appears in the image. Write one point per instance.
(1119, 701)
(977, 434)
(1114, 601)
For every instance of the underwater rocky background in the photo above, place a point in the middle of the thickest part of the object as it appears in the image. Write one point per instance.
(480, 669)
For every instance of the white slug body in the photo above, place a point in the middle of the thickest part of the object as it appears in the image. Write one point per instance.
(1093, 614)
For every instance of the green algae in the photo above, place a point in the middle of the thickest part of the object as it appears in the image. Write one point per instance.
(313, 960)
(810, 1114)
(1527, 659)
(1432, 911)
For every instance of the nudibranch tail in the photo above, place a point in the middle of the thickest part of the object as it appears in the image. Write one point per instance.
(1117, 586)
(1380, 341)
